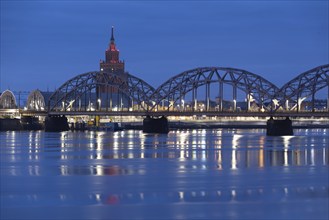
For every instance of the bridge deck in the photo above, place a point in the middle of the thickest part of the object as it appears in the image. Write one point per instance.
(198, 114)
(304, 114)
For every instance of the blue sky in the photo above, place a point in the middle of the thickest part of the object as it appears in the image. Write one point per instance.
(45, 43)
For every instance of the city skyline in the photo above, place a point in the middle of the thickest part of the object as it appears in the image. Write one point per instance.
(47, 43)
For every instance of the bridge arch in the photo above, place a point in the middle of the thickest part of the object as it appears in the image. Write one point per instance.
(8, 100)
(93, 91)
(256, 88)
(37, 100)
(304, 86)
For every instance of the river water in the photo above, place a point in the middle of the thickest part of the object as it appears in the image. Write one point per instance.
(186, 174)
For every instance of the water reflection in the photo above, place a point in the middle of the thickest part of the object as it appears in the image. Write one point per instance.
(278, 194)
(120, 174)
(98, 170)
(211, 149)
(227, 195)
(189, 149)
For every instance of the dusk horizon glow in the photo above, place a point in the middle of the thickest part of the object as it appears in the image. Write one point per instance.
(44, 44)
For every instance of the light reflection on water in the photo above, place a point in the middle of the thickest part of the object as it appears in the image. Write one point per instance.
(225, 166)
(219, 150)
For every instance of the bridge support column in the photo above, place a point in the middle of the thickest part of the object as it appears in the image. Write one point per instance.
(234, 97)
(262, 103)
(298, 104)
(207, 96)
(107, 100)
(98, 99)
(287, 105)
(111, 107)
(221, 96)
(313, 97)
(121, 102)
(195, 99)
(181, 103)
(162, 104)
(248, 101)
(195, 105)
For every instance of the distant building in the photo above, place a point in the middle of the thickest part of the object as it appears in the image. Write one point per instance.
(109, 97)
(319, 105)
(112, 63)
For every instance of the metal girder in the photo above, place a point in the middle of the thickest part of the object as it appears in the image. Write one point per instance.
(177, 86)
(75, 88)
(35, 101)
(174, 89)
(304, 85)
(7, 100)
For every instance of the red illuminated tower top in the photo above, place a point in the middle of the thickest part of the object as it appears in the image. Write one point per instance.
(112, 64)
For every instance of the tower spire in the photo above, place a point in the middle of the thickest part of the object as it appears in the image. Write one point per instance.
(112, 35)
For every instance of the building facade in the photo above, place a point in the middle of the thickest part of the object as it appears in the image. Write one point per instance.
(112, 62)
(109, 97)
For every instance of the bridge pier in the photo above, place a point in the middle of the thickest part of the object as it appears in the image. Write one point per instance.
(31, 123)
(10, 124)
(155, 125)
(279, 127)
(56, 123)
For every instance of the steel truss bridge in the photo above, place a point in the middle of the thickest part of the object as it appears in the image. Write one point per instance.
(211, 91)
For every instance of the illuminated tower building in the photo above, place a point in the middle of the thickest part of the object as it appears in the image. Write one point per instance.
(110, 97)
(112, 64)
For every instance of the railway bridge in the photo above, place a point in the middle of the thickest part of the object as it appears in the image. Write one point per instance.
(204, 91)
